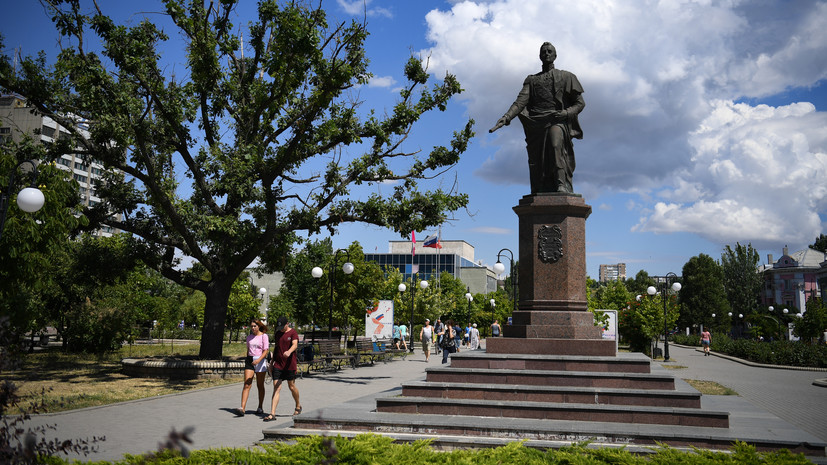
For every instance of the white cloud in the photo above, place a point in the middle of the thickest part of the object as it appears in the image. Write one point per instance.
(661, 80)
(362, 7)
(492, 230)
(382, 81)
(762, 170)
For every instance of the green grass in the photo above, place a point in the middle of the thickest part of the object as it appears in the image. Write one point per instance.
(60, 381)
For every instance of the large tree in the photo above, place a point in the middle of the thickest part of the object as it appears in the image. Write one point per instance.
(741, 278)
(254, 144)
(703, 293)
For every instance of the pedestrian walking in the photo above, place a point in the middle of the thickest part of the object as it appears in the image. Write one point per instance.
(284, 365)
(706, 339)
(449, 344)
(457, 335)
(403, 335)
(438, 329)
(396, 335)
(495, 329)
(474, 337)
(255, 365)
(426, 335)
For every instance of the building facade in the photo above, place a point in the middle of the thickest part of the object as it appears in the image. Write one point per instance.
(455, 257)
(793, 279)
(613, 272)
(18, 119)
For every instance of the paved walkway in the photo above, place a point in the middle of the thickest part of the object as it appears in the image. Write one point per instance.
(787, 394)
(138, 426)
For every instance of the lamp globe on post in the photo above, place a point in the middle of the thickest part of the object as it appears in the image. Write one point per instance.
(317, 273)
(470, 299)
(493, 305)
(30, 199)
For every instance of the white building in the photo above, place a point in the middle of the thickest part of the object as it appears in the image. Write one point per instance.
(17, 118)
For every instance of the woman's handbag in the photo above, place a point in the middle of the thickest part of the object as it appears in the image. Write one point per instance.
(447, 341)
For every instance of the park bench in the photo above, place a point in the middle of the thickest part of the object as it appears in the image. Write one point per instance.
(369, 351)
(333, 355)
(391, 350)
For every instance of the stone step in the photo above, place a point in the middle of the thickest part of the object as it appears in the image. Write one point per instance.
(557, 394)
(451, 374)
(446, 432)
(486, 409)
(623, 363)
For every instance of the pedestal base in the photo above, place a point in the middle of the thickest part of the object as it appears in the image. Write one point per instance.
(513, 345)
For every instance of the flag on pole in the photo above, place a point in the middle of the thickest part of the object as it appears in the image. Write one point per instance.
(432, 241)
(413, 243)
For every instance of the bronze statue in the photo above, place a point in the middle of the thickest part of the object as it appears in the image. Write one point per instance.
(548, 105)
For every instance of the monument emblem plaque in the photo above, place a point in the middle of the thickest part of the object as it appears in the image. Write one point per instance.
(550, 243)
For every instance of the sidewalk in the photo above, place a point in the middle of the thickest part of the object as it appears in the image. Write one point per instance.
(137, 427)
(787, 394)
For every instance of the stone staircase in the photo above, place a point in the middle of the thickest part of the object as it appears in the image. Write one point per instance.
(553, 387)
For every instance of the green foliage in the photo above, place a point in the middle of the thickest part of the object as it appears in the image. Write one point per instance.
(703, 292)
(641, 321)
(379, 450)
(741, 281)
(812, 325)
(29, 239)
(787, 353)
(820, 243)
(250, 148)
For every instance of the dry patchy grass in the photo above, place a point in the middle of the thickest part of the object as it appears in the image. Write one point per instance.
(711, 388)
(71, 381)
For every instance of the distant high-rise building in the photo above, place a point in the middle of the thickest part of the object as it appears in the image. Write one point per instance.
(612, 272)
(17, 118)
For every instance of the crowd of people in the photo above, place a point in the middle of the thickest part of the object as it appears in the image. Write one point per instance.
(442, 338)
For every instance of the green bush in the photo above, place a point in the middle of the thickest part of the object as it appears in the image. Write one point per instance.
(379, 450)
(789, 353)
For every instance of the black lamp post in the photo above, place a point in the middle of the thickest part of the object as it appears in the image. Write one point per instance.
(664, 281)
(470, 299)
(493, 317)
(29, 200)
(499, 268)
(317, 272)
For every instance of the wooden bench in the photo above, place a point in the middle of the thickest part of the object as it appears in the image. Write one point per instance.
(369, 351)
(333, 355)
(391, 350)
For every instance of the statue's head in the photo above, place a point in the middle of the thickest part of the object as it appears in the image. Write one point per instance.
(548, 53)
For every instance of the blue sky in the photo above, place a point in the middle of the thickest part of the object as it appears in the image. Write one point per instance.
(704, 124)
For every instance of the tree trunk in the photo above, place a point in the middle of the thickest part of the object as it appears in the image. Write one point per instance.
(215, 316)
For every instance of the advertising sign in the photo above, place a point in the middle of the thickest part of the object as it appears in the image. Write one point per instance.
(609, 331)
(379, 320)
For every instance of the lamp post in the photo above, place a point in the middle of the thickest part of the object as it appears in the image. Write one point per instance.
(423, 285)
(317, 272)
(29, 200)
(493, 317)
(470, 299)
(499, 268)
(676, 286)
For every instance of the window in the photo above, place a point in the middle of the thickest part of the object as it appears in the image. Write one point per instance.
(5, 130)
(80, 178)
(47, 131)
(80, 166)
(65, 162)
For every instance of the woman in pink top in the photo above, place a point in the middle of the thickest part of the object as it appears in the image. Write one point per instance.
(258, 344)
(706, 339)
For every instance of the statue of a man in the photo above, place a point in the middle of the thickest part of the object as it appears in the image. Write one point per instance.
(548, 105)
